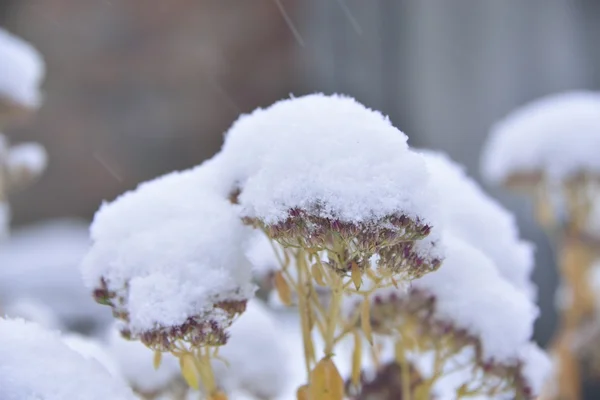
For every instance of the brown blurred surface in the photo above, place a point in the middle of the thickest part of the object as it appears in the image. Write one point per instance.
(136, 88)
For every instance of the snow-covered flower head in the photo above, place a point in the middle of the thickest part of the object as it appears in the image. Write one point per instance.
(556, 137)
(464, 304)
(316, 169)
(37, 364)
(21, 72)
(167, 257)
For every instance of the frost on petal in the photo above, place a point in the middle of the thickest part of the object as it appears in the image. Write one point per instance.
(319, 167)
(135, 362)
(36, 364)
(255, 354)
(557, 136)
(168, 259)
(21, 71)
(478, 219)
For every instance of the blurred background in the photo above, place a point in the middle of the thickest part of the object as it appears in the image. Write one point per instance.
(137, 88)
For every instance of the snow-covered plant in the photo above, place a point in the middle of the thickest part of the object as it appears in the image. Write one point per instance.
(167, 258)
(37, 364)
(550, 149)
(21, 73)
(451, 323)
(354, 217)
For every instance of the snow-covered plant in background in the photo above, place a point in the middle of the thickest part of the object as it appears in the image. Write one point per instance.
(550, 150)
(21, 73)
(359, 226)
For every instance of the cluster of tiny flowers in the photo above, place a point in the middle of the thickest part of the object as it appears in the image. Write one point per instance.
(391, 310)
(391, 238)
(208, 329)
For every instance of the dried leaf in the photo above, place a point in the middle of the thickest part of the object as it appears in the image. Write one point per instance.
(283, 288)
(356, 358)
(356, 275)
(365, 319)
(303, 393)
(326, 383)
(218, 396)
(157, 359)
(189, 371)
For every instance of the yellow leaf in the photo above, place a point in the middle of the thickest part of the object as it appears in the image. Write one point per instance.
(189, 371)
(283, 288)
(326, 383)
(218, 396)
(356, 275)
(365, 319)
(157, 359)
(318, 274)
(303, 393)
(356, 358)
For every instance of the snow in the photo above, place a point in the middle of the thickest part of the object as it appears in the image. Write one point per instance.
(256, 354)
(558, 136)
(473, 216)
(26, 159)
(135, 363)
(261, 253)
(21, 71)
(40, 262)
(471, 294)
(327, 155)
(537, 366)
(170, 250)
(32, 310)
(36, 365)
(92, 349)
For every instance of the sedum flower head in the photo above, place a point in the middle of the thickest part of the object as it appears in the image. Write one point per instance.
(167, 258)
(326, 173)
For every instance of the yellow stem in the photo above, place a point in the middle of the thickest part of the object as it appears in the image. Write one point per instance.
(334, 313)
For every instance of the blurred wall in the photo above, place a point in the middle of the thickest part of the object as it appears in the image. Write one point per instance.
(137, 88)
